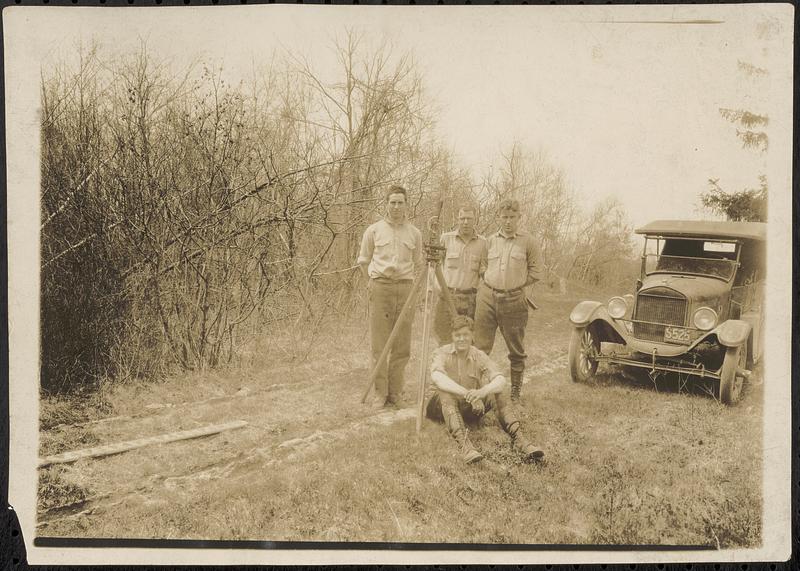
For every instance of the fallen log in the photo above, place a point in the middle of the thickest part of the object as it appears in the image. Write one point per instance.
(117, 448)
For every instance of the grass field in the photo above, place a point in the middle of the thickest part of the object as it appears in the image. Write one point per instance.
(626, 461)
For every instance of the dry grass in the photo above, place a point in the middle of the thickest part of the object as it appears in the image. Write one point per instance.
(625, 463)
(55, 490)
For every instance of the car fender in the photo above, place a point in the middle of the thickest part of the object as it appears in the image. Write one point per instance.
(595, 314)
(583, 313)
(733, 332)
(756, 321)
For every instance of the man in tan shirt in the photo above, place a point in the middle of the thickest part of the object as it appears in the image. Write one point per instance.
(465, 257)
(391, 251)
(468, 384)
(513, 263)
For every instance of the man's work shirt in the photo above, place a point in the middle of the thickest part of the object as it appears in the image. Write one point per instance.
(463, 260)
(513, 261)
(392, 250)
(468, 373)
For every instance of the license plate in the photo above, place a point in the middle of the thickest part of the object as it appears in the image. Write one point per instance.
(676, 334)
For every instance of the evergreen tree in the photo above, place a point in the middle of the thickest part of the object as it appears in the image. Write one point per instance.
(749, 204)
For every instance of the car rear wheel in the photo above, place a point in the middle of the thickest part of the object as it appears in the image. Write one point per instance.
(583, 349)
(730, 383)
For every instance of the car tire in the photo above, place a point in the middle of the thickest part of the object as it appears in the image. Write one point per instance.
(582, 345)
(730, 384)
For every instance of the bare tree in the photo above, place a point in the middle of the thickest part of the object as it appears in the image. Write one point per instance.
(184, 211)
(604, 248)
(374, 113)
(548, 204)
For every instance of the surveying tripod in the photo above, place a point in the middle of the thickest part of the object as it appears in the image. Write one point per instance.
(432, 271)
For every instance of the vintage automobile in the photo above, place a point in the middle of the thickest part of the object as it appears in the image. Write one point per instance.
(697, 309)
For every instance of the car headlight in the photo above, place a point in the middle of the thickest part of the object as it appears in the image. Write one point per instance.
(617, 307)
(705, 318)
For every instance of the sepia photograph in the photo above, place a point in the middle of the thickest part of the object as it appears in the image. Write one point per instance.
(341, 284)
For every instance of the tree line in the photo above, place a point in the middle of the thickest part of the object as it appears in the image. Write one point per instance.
(181, 214)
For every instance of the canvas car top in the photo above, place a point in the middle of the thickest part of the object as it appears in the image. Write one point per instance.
(706, 228)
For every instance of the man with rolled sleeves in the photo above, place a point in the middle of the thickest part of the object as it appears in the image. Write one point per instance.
(391, 251)
(468, 385)
(513, 263)
(465, 254)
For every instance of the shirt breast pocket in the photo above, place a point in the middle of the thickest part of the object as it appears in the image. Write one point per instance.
(518, 258)
(407, 250)
(452, 259)
(383, 246)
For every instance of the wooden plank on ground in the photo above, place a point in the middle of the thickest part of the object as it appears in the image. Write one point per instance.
(109, 449)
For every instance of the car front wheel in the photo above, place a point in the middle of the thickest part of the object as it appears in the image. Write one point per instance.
(730, 384)
(583, 349)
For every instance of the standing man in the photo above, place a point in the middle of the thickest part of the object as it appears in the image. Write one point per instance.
(513, 263)
(468, 384)
(391, 251)
(464, 262)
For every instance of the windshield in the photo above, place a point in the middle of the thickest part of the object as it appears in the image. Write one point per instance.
(713, 258)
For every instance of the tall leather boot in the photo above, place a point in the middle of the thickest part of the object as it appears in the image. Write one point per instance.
(519, 442)
(455, 425)
(516, 385)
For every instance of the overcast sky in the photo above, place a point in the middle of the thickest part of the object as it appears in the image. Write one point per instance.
(624, 99)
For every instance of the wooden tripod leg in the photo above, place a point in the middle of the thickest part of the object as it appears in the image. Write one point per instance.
(404, 314)
(426, 330)
(445, 290)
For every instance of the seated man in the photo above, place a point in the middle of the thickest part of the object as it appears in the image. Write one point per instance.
(468, 384)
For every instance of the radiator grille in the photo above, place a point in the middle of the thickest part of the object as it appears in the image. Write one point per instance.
(660, 307)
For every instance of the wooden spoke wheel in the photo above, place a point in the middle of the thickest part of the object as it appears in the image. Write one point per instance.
(730, 383)
(583, 349)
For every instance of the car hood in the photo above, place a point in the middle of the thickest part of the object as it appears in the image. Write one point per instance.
(695, 288)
